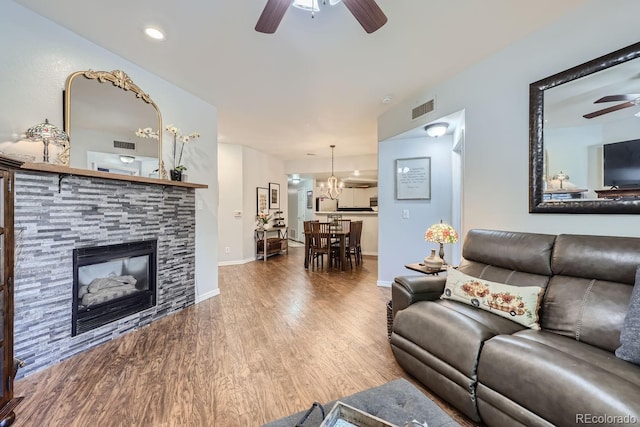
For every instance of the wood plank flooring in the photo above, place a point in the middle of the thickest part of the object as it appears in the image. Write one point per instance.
(277, 339)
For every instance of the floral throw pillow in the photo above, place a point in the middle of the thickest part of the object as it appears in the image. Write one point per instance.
(517, 303)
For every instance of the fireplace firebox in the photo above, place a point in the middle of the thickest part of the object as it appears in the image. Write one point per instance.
(112, 282)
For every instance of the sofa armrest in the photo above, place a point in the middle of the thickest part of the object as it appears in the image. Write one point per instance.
(409, 289)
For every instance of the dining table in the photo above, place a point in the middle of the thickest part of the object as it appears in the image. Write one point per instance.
(340, 234)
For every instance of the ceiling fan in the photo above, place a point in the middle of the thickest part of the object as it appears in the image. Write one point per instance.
(367, 12)
(631, 99)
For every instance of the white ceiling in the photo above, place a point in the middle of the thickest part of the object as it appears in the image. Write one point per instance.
(315, 82)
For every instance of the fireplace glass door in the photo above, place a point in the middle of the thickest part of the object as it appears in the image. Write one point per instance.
(112, 282)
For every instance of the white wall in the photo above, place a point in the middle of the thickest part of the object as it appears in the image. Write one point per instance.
(37, 57)
(241, 171)
(259, 169)
(401, 241)
(495, 97)
(230, 177)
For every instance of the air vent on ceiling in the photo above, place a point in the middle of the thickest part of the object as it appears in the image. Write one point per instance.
(125, 145)
(423, 109)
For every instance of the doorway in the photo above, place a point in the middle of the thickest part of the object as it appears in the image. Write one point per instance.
(302, 208)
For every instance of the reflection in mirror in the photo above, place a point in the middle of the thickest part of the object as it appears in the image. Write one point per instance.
(104, 112)
(581, 121)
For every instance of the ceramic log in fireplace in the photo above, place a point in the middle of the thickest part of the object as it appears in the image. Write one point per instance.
(112, 282)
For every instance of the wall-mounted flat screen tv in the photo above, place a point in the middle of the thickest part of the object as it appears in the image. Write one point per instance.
(622, 164)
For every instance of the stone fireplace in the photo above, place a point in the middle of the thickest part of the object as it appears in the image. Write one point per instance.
(111, 282)
(57, 216)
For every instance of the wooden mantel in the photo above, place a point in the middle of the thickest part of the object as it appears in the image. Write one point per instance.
(65, 170)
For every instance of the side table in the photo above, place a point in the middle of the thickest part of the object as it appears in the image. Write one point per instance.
(421, 268)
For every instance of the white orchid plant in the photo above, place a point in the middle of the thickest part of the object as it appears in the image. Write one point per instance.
(179, 137)
(147, 133)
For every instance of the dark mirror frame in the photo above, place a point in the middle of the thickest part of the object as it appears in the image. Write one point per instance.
(536, 140)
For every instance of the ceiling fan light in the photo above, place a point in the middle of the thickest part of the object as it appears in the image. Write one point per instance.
(334, 2)
(436, 130)
(311, 5)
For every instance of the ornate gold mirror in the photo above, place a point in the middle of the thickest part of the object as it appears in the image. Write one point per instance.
(106, 116)
(584, 137)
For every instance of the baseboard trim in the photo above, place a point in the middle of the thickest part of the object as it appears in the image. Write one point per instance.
(384, 284)
(237, 262)
(208, 295)
(370, 253)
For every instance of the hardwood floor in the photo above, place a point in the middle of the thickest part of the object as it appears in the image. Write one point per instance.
(277, 339)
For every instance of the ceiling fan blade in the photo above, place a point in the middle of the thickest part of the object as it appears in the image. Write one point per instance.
(609, 110)
(368, 14)
(271, 15)
(611, 98)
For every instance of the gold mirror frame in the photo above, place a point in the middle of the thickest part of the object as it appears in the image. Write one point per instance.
(121, 80)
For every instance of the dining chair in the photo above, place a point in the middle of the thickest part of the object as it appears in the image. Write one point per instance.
(320, 243)
(353, 248)
(308, 238)
(343, 226)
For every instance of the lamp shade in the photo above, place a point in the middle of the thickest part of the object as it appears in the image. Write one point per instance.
(441, 233)
(561, 176)
(46, 131)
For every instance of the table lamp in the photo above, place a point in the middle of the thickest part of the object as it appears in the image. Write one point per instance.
(560, 177)
(441, 233)
(46, 132)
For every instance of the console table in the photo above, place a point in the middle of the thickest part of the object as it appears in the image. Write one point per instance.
(564, 194)
(619, 193)
(267, 246)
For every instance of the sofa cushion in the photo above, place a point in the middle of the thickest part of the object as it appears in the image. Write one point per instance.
(630, 348)
(606, 258)
(588, 296)
(526, 252)
(517, 303)
(529, 364)
(449, 330)
(586, 310)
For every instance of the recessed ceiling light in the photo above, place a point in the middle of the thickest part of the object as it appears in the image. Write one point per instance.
(154, 33)
(386, 99)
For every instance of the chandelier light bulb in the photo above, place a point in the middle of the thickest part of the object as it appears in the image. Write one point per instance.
(334, 189)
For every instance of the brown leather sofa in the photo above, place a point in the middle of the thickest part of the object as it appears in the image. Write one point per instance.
(503, 374)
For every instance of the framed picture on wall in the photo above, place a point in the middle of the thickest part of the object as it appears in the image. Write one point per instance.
(413, 178)
(309, 199)
(262, 200)
(274, 195)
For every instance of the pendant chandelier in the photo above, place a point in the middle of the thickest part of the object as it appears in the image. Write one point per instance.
(333, 189)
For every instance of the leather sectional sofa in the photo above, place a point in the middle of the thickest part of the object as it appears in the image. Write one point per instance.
(503, 373)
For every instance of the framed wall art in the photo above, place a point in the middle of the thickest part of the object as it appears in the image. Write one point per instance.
(274, 195)
(413, 178)
(262, 200)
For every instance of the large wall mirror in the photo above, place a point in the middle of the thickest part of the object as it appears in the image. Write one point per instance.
(103, 113)
(584, 137)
